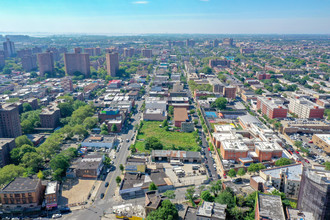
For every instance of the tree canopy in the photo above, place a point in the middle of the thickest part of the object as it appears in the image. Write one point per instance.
(220, 103)
(283, 161)
(167, 211)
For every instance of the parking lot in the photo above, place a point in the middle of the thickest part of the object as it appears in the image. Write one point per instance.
(316, 154)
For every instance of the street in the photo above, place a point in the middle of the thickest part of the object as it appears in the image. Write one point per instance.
(96, 209)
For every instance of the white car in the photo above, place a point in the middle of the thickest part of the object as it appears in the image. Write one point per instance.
(56, 216)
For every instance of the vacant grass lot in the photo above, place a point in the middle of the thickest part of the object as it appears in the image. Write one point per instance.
(185, 141)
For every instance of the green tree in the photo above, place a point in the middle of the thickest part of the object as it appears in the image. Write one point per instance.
(59, 162)
(169, 194)
(255, 167)
(57, 174)
(327, 165)
(167, 211)
(153, 143)
(26, 107)
(259, 91)
(32, 160)
(153, 186)
(220, 103)
(170, 110)
(121, 167)
(190, 195)
(237, 213)
(90, 122)
(241, 172)
(298, 144)
(66, 109)
(215, 187)
(207, 196)
(27, 126)
(164, 124)
(107, 160)
(17, 153)
(114, 128)
(40, 175)
(133, 148)
(9, 172)
(232, 173)
(283, 161)
(21, 140)
(225, 197)
(118, 180)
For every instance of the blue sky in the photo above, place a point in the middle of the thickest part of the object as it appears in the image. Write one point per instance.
(166, 16)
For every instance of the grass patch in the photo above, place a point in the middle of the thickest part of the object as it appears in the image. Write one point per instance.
(139, 145)
(186, 141)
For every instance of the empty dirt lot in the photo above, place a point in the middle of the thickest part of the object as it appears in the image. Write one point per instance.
(78, 191)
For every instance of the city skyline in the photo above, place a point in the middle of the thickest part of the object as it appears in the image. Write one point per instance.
(170, 17)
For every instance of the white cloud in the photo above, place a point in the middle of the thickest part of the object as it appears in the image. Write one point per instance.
(140, 2)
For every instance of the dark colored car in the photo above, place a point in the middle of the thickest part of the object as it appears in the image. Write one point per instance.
(65, 210)
(219, 177)
(106, 184)
(102, 195)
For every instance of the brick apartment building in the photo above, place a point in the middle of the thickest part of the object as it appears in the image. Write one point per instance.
(51, 195)
(261, 76)
(228, 41)
(46, 62)
(229, 92)
(10, 125)
(22, 193)
(217, 62)
(112, 60)
(94, 51)
(129, 52)
(6, 145)
(50, 117)
(305, 108)
(77, 62)
(272, 107)
(146, 53)
(66, 84)
(29, 62)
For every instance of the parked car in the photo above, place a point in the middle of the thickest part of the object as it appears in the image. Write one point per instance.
(56, 216)
(65, 210)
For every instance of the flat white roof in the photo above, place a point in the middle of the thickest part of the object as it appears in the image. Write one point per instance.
(51, 188)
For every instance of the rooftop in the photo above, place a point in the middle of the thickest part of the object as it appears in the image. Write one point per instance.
(268, 146)
(51, 188)
(293, 172)
(180, 114)
(234, 145)
(270, 207)
(21, 185)
(301, 215)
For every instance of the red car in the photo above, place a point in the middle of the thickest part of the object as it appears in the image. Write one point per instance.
(306, 161)
(224, 176)
(209, 149)
(310, 141)
(297, 152)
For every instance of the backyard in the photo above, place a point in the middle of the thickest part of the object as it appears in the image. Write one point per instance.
(186, 141)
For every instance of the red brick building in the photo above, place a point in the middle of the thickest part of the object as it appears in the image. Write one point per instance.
(271, 107)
